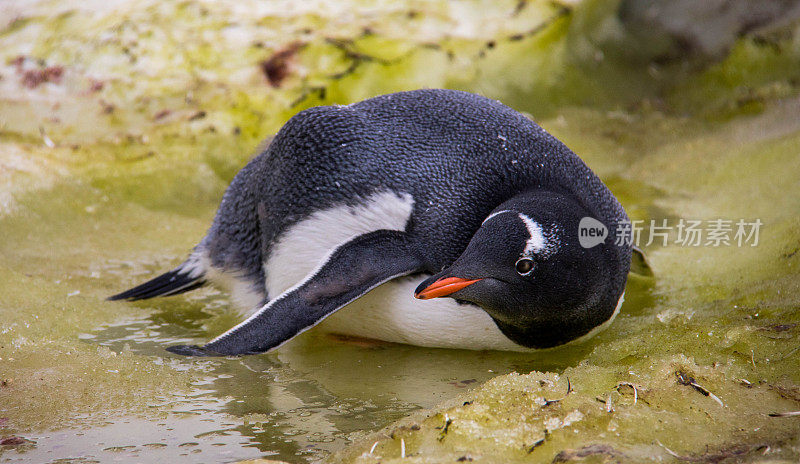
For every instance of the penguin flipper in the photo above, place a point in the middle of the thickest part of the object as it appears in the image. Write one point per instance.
(349, 271)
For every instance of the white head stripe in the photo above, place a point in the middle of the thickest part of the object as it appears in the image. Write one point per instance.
(495, 214)
(536, 241)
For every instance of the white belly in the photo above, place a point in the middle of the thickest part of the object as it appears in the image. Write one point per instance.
(391, 313)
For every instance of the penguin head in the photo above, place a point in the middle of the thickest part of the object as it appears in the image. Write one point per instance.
(526, 267)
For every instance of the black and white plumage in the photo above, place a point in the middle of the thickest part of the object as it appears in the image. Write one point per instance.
(445, 192)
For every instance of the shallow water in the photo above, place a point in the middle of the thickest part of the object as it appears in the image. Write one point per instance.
(103, 188)
(302, 402)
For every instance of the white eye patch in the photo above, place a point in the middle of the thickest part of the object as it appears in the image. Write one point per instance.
(536, 242)
(539, 242)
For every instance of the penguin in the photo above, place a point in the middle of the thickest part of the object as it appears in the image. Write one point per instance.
(432, 217)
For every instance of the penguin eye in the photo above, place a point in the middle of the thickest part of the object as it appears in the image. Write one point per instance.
(524, 266)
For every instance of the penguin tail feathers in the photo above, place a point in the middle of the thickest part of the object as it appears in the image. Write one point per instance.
(179, 280)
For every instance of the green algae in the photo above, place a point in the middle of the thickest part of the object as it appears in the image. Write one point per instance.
(161, 104)
(620, 419)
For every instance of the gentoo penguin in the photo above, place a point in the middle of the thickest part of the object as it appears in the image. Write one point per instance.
(428, 193)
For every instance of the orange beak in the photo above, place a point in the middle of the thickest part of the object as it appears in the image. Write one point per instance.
(444, 287)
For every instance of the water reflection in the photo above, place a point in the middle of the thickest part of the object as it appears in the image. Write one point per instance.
(311, 396)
